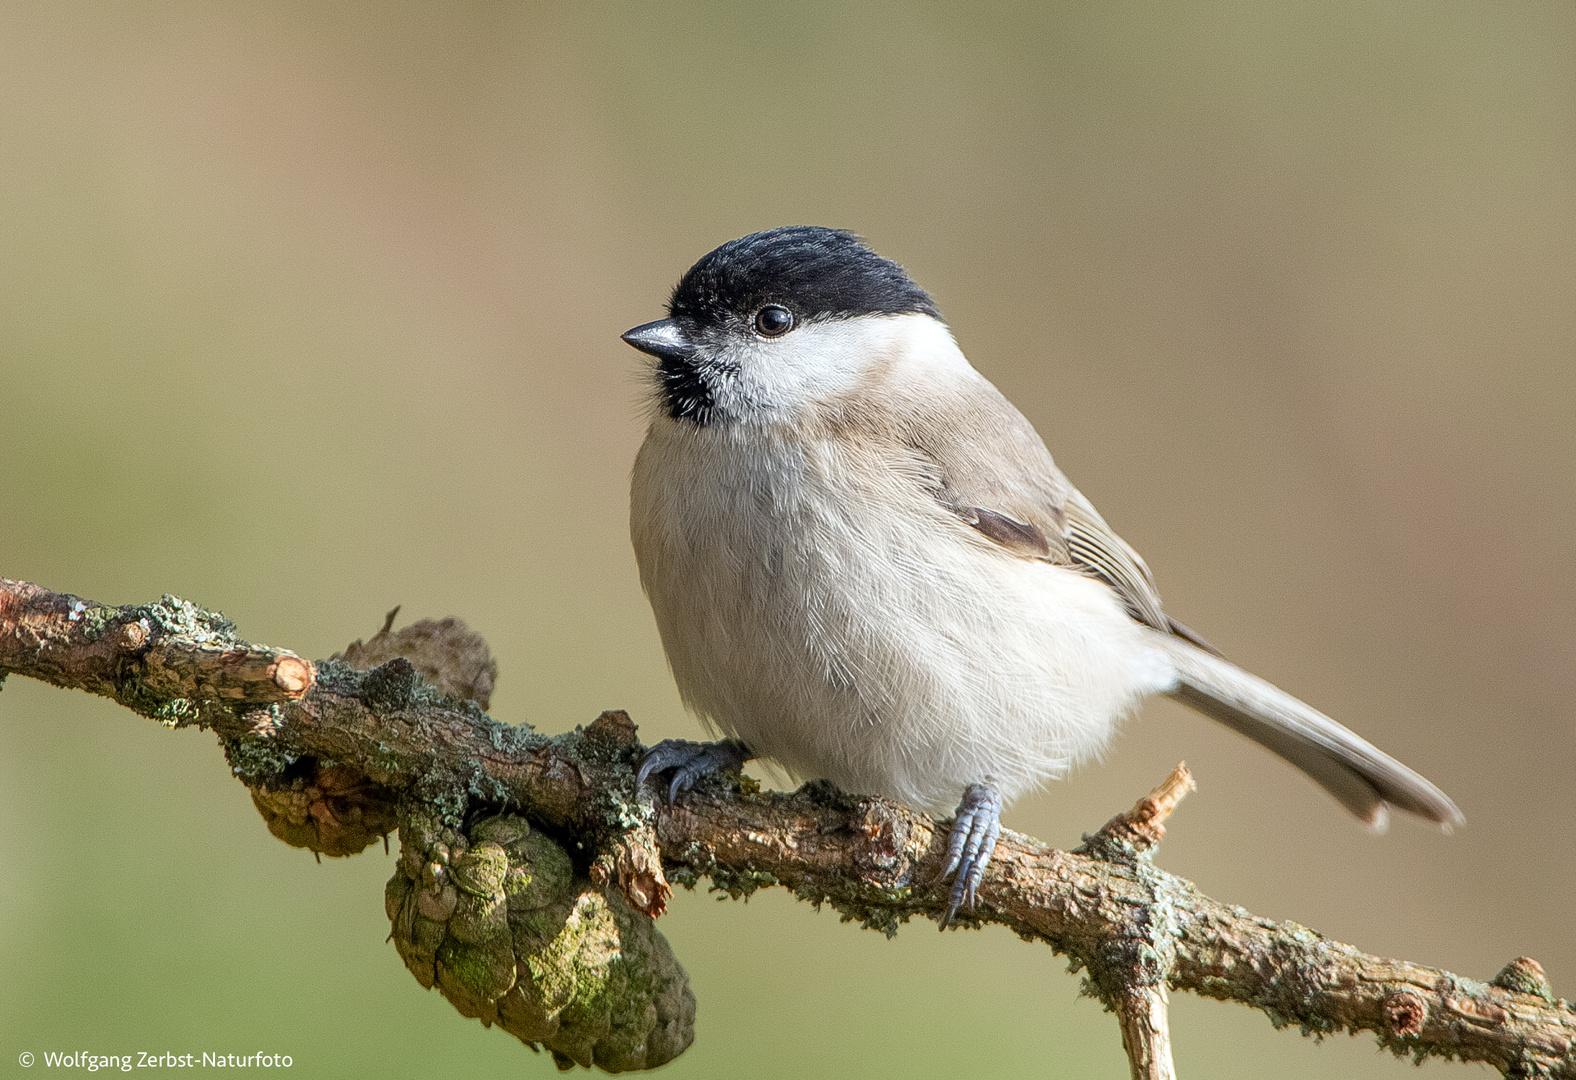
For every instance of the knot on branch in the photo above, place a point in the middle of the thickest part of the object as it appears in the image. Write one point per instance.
(446, 652)
(1405, 1012)
(500, 921)
(1524, 975)
(333, 810)
(881, 833)
(613, 731)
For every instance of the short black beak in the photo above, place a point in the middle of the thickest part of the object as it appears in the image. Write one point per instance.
(662, 339)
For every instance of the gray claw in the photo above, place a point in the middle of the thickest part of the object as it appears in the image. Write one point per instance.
(690, 762)
(969, 848)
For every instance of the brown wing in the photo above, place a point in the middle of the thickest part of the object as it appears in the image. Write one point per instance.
(1090, 545)
(1097, 548)
(985, 462)
(1094, 546)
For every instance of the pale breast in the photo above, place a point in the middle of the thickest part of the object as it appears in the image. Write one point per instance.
(817, 603)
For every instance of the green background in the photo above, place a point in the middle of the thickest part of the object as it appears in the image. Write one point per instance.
(308, 310)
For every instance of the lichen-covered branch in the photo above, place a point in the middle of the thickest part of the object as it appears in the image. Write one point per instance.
(147, 657)
(1131, 977)
(344, 754)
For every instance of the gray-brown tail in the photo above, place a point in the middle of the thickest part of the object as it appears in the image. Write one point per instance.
(1364, 779)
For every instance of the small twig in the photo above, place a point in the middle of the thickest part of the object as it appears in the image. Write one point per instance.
(1142, 1012)
(1144, 825)
(1131, 977)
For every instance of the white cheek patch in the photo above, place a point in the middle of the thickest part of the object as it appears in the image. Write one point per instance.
(821, 360)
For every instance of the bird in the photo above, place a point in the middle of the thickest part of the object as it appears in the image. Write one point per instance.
(866, 568)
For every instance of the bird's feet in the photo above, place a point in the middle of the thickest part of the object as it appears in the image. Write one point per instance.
(690, 762)
(973, 840)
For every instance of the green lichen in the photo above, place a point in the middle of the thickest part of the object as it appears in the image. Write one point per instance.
(504, 829)
(540, 875)
(172, 615)
(390, 687)
(427, 694)
(1525, 977)
(510, 738)
(873, 907)
(484, 968)
(683, 876)
(468, 963)
(171, 712)
(698, 862)
(1472, 988)
(740, 884)
(484, 787)
(257, 762)
(97, 620)
(338, 677)
(620, 813)
(438, 803)
(481, 870)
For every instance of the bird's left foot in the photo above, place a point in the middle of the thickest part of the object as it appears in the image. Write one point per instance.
(690, 762)
(973, 840)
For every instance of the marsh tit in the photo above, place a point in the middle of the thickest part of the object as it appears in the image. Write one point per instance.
(866, 568)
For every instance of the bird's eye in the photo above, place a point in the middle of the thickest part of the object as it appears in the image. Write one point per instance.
(773, 321)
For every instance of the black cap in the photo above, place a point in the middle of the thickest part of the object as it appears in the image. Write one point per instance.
(815, 273)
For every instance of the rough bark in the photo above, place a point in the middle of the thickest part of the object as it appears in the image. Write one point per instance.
(360, 743)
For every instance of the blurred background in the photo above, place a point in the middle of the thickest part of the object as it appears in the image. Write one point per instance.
(310, 310)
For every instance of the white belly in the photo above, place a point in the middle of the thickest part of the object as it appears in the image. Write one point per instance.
(864, 635)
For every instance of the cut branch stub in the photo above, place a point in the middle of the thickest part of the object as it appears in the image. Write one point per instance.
(1137, 831)
(165, 660)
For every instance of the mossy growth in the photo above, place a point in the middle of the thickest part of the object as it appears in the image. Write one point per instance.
(739, 884)
(497, 917)
(338, 677)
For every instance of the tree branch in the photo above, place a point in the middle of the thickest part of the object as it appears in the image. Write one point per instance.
(351, 752)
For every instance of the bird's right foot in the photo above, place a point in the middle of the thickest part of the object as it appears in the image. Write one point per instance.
(690, 762)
